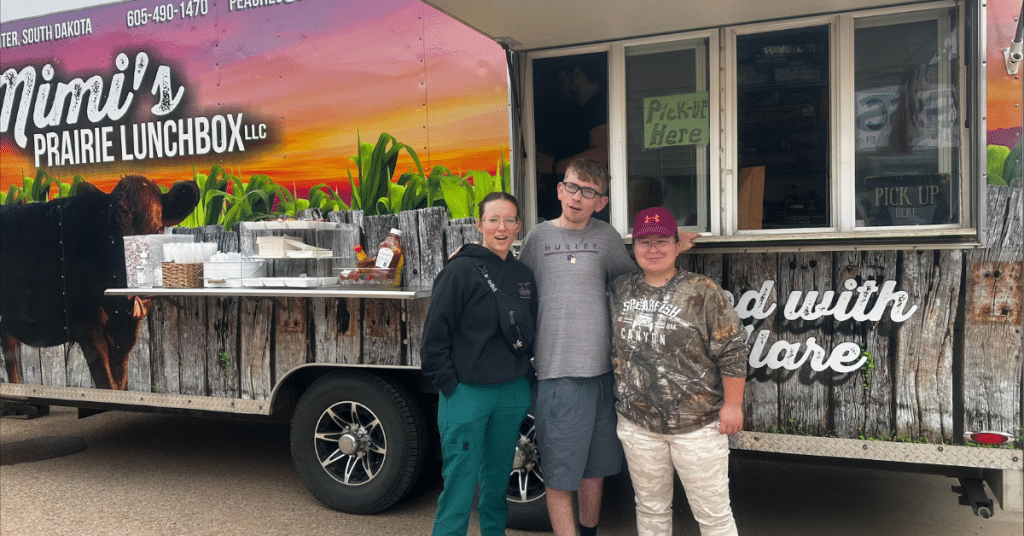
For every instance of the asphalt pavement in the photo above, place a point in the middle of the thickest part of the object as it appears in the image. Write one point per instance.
(137, 474)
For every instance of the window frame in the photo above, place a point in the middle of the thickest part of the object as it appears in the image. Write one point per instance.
(617, 150)
(529, 204)
(730, 214)
(964, 210)
(723, 233)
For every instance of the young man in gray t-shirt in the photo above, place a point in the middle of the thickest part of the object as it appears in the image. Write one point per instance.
(574, 258)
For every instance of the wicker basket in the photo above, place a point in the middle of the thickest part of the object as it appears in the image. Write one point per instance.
(183, 275)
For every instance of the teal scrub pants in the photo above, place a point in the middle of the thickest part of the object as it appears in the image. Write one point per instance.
(479, 426)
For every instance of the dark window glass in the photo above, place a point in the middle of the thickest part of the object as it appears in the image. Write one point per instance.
(908, 140)
(783, 129)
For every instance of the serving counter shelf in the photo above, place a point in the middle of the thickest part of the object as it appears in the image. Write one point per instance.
(355, 291)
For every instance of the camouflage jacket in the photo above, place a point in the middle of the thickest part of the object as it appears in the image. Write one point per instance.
(671, 346)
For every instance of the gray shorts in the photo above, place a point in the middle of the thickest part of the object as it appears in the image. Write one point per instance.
(576, 430)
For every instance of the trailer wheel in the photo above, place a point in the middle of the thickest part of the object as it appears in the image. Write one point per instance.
(357, 441)
(527, 504)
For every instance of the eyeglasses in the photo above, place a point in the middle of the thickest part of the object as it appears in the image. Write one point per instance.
(510, 222)
(572, 188)
(661, 244)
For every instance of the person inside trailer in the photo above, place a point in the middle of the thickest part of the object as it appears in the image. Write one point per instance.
(572, 122)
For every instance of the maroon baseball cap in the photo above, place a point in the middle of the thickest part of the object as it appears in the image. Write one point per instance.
(654, 220)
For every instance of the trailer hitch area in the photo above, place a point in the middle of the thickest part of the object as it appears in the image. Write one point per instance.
(10, 408)
(972, 493)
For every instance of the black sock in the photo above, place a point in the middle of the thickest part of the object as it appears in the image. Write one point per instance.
(587, 531)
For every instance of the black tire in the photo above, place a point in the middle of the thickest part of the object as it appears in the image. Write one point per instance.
(526, 497)
(358, 441)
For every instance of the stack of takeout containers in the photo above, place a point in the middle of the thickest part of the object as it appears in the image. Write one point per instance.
(292, 253)
(290, 247)
(232, 270)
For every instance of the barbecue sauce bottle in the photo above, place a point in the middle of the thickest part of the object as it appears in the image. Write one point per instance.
(390, 254)
(362, 261)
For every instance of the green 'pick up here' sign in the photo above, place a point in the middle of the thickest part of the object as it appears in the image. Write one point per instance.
(677, 120)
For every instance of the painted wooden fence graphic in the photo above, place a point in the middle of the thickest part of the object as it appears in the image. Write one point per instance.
(954, 365)
(917, 344)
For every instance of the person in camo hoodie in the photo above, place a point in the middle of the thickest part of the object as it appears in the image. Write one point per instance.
(679, 352)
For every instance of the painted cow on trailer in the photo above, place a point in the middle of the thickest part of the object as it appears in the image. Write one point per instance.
(58, 258)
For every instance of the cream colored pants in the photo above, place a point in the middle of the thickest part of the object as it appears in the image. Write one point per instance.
(701, 458)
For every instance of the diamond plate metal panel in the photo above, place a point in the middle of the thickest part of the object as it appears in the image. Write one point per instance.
(134, 398)
(951, 455)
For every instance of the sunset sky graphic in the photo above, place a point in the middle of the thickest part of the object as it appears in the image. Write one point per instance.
(319, 73)
(317, 76)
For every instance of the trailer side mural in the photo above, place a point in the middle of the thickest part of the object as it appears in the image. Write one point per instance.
(162, 89)
(993, 347)
(140, 97)
(166, 90)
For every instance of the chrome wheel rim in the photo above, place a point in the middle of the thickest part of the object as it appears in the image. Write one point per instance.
(350, 443)
(526, 483)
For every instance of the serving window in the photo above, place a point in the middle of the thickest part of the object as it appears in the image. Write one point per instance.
(782, 129)
(848, 125)
(907, 150)
(668, 129)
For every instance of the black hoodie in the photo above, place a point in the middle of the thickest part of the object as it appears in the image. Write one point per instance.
(462, 340)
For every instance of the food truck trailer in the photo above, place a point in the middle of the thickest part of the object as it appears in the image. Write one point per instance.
(853, 168)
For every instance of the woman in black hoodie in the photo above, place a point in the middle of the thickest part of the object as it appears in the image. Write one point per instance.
(481, 373)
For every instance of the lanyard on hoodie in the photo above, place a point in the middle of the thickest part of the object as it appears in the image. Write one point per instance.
(516, 324)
